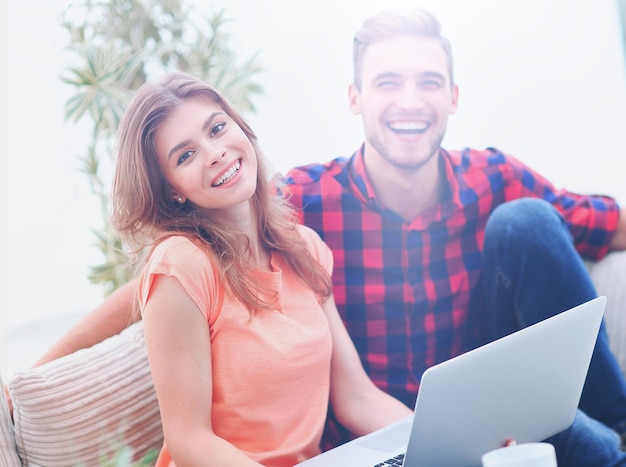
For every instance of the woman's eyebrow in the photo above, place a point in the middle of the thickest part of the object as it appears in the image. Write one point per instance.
(208, 121)
(205, 126)
(176, 148)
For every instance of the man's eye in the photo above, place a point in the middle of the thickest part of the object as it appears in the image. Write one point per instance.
(217, 128)
(430, 84)
(183, 157)
(387, 84)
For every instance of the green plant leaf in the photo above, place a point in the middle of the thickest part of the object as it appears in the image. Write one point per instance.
(114, 46)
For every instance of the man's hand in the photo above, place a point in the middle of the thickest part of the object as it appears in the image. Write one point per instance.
(9, 401)
(619, 238)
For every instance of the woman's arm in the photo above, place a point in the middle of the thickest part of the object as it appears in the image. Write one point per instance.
(110, 318)
(179, 350)
(359, 405)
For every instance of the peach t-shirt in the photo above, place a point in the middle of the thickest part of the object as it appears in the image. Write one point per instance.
(270, 373)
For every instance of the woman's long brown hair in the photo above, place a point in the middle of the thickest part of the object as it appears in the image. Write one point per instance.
(144, 212)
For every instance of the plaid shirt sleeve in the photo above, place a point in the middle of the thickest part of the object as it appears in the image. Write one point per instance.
(592, 219)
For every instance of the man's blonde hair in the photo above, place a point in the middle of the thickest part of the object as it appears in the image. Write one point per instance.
(394, 23)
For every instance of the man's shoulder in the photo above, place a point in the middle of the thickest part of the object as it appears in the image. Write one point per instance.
(477, 157)
(316, 172)
(308, 185)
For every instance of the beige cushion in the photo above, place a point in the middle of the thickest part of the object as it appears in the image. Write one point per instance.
(82, 408)
(609, 277)
(8, 454)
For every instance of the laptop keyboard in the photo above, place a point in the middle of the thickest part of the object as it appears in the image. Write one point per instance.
(395, 460)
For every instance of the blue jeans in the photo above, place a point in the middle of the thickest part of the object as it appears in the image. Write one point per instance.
(531, 272)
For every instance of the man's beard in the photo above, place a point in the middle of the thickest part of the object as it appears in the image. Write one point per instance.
(381, 148)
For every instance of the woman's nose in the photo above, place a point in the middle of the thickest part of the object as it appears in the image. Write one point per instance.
(213, 155)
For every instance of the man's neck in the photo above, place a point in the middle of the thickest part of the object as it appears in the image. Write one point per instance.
(405, 192)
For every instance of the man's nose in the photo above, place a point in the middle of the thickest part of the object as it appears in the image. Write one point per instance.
(410, 97)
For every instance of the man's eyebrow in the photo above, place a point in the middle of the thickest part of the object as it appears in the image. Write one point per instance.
(434, 74)
(423, 74)
(387, 74)
(182, 144)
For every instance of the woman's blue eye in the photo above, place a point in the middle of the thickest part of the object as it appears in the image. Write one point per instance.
(217, 128)
(183, 157)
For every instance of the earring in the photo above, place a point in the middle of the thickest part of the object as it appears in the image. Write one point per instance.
(180, 199)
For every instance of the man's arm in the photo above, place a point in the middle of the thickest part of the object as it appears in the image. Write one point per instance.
(619, 238)
(111, 317)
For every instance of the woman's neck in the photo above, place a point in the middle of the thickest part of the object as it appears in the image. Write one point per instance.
(246, 224)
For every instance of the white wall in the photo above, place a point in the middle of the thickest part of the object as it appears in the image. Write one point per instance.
(3, 196)
(542, 80)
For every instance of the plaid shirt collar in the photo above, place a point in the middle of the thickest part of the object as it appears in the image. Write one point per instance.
(362, 188)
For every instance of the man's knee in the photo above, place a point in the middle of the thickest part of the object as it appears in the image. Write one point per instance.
(588, 438)
(523, 220)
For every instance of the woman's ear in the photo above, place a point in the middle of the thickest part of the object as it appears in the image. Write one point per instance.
(178, 198)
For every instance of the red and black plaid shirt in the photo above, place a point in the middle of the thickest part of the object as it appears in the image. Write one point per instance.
(404, 290)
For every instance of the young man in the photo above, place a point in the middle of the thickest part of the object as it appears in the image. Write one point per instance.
(439, 251)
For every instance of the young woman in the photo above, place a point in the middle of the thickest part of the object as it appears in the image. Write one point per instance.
(243, 336)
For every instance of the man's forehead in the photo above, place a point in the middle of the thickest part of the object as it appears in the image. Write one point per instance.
(403, 54)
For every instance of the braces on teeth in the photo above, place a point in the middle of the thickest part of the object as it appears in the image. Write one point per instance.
(228, 174)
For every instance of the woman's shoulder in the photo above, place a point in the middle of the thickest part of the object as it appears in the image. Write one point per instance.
(310, 236)
(189, 262)
(177, 248)
(174, 243)
(314, 243)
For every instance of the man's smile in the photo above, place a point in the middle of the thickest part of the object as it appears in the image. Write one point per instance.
(405, 127)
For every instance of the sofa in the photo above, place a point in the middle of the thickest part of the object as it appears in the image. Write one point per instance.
(97, 406)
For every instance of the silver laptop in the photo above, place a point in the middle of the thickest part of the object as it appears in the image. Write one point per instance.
(525, 386)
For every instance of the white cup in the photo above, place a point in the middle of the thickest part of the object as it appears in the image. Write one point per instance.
(521, 455)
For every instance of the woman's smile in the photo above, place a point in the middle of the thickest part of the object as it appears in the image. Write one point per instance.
(228, 175)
